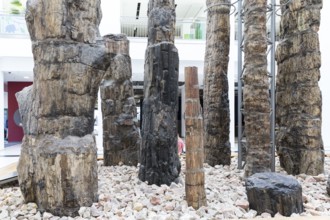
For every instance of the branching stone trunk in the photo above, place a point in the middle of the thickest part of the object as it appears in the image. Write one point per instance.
(121, 136)
(195, 177)
(216, 103)
(299, 100)
(256, 89)
(159, 154)
(57, 167)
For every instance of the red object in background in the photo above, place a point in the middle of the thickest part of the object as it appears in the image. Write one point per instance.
(15, 132)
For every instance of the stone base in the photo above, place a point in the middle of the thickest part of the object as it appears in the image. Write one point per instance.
(274, 192)
(59, 175)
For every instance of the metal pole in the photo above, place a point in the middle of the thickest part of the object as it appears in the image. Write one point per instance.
(239, 82)
(273, 35)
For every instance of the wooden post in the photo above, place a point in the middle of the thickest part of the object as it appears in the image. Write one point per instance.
(195, 191)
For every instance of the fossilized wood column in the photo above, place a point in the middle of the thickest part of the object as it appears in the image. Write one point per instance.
(195, 177)
(256, 89)
(216, 103)
(299, 100)
(121, 136)
(159, 154)
(57, 167)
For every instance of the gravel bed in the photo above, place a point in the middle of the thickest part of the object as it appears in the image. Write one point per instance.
(123, 196)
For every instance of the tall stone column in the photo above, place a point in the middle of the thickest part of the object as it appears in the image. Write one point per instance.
(195, 176)
(299, 99)
(57, 168)
(216, 102)
(121, 136)
(256, 88)
(159, 154)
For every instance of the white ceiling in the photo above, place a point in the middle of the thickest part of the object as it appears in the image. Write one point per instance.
(17, 76)
(185, 8)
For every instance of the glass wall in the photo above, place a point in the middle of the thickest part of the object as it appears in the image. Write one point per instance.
(193, 29)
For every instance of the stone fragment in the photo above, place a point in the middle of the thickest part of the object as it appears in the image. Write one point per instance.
(244, 204)
(274, 192)
(47, 215)
(138, 206)
(169, 207)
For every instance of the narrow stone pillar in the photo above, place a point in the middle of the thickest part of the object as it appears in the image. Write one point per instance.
(195, 177)
(121, 136)
(216, 102)
(159, 154)
(298, 96)
(57, 168)
(256, 88)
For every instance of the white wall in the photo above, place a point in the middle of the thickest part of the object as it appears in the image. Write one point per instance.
(325, 70)
(110, 22)
(5, 100)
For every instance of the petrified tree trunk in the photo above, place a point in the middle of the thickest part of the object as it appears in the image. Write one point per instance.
(57, 167)
(195, 179)
(256, 89)
(121, 137)
(216, 103)
(299, 101)
(274, 192)
(159, 154)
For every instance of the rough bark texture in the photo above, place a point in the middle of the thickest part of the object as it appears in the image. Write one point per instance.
(274, 192)
(216, 103)
(121, 136)
(57, 167)
(299, 100)
(256, 89)
(195, 177)
(328, 186)
(159, 154)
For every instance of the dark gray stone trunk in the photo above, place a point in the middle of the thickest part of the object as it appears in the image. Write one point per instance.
(159, 154)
